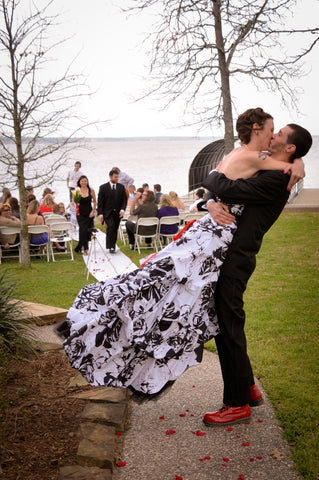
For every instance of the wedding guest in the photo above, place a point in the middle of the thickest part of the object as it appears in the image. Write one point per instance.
(197, 206)
(4, 191)
(158, 193)
(47, 205)
(176, 201)
(7, 220)
(29, 190)
(33, 218)
(6, 196)
(85, 213)
(147, 209)
(167, 210)
(46, 191)
(15, 207)
(73, 177)
(124, 178)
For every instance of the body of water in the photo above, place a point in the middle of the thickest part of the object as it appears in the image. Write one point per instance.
(163, 161)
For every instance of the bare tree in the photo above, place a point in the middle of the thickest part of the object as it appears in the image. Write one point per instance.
(199, 46)
(32, 111)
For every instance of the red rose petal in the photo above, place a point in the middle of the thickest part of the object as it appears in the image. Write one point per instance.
(192, 414)
(182, 414)
(241, 476)
(245, 444)
(177, 477)
(199, 433)
(260, 421)
(207, 458)
(170, 432)
(224, 465)
(238, 436)
(225, 459)
(193, 386)
(187, 410)
(229, 429)
(162, 417)
(251, 459)
(118, 433)
(121, 464)
(259, 458)
(202, 459)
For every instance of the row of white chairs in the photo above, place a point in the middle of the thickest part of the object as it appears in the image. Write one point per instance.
(58, 232)
(156, 237)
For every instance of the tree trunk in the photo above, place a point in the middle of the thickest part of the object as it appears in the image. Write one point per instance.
(224, 75)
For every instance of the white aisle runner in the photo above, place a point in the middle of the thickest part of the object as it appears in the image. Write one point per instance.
(102, 264)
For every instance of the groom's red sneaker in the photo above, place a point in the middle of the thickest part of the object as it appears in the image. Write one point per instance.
(256, 397)
(227, 416)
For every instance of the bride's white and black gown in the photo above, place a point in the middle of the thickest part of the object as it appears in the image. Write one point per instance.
(143, 329)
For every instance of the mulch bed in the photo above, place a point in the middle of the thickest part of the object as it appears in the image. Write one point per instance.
(42, 420)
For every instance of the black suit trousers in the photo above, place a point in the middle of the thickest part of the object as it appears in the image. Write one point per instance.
(231, 342)
(112, 223)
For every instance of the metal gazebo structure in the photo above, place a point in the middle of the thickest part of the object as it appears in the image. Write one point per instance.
(205, 161)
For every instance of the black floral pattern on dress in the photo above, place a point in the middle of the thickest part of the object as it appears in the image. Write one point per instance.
(143, 329)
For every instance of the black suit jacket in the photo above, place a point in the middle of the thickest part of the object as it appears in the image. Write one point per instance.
(264, 197)
(110, 201)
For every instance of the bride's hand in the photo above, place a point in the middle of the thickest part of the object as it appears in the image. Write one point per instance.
(220, 213)
(296, 171)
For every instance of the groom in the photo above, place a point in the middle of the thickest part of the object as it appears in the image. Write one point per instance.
(264, 197)
(111, 205)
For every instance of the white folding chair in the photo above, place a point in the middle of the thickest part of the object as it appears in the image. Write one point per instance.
(152, 223)
(61, 232)
(172, 220)
(191, 216)
(38, 230)
(13, 247)
(57, 219)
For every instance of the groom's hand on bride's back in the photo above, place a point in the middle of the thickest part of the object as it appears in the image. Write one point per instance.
(220, 213)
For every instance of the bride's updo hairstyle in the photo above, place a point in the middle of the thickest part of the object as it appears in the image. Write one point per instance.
(246, 120)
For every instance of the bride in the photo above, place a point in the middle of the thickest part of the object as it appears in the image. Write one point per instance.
(143, 329)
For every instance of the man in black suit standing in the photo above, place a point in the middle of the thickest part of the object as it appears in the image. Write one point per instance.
(112, 201)
(264, 197)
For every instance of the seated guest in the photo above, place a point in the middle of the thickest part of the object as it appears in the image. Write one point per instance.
(30, 197)
(5, 190)
(167, 210)
(7, 220)
(29, 190)
(34, 218)
(47, 205)
(46, 191)
(55, 212)
(176, 201)
(61, 209)
(138, 199)
(145, 186)
(158, 193)
(132, 192)
(197, 206)
(15, 207)
(147, 209)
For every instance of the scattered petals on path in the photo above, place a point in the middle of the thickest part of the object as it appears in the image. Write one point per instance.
(259, 457)
(207, 458)
(245, 444)
(170, 432)
(177, 477)
(229, 429)
(241, 476)
(121, 464)
(182, 414)
(225, 459)
(251, 459)
(260, 421)
(162, 417)
(199, 433)
(118, 433)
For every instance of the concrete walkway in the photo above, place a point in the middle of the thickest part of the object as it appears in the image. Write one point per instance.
(253, 451)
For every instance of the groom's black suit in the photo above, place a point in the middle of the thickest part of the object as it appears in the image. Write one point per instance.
(110, 203)
(264, 198)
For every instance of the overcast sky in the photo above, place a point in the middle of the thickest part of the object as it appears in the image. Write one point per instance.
(107, 45)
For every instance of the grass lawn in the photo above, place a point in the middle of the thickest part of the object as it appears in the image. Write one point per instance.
(281, 303)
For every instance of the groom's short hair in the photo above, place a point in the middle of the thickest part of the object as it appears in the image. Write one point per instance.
(301, 138)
